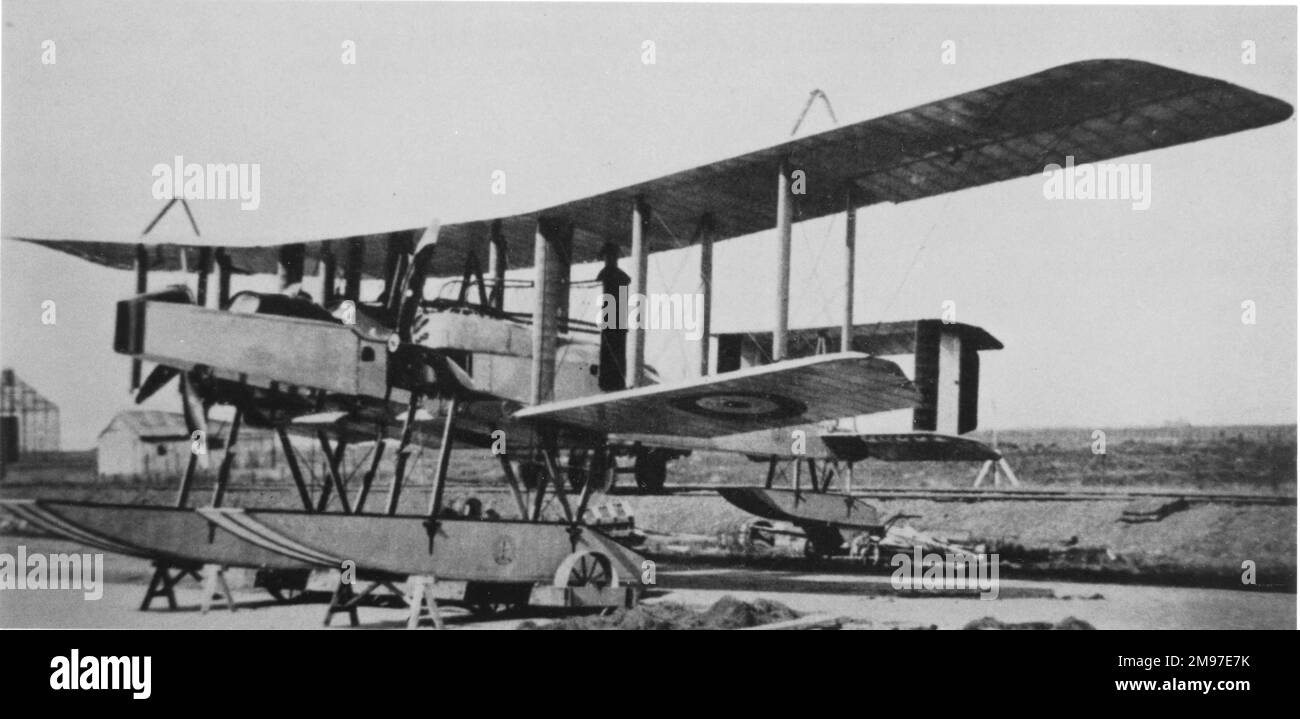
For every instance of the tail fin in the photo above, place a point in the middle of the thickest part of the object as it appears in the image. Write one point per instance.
(947, 375)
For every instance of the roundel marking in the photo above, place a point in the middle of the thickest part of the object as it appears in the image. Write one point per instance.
(740, 405)
(503, 551)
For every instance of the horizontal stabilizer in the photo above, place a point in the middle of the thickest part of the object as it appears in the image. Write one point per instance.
(909, 447)
(804, 508)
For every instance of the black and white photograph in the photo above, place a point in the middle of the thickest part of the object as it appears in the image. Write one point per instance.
(358, 316)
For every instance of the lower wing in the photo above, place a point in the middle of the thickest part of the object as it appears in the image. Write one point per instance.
(782, 394)
(761, 446)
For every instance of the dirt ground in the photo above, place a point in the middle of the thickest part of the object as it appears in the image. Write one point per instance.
(1206, 541)
(1203, 544)
(1094, 566)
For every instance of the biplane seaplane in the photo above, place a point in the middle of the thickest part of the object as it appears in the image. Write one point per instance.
(347, 369)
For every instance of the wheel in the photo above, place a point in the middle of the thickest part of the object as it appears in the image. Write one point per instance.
(285, 595)
(484, 610)
(586, 569)
(577, 469)
(530, 471)
(284, 585)
(586, 465)
(758, 533)
(820, 544)
(866, 548)
(651, 470)
(485, 600)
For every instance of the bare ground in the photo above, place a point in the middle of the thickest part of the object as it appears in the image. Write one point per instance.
(866, 602)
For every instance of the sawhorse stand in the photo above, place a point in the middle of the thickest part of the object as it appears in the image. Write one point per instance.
(999, 467)
(421, 602)
(214, 582)
(167, 576)
(345, 599)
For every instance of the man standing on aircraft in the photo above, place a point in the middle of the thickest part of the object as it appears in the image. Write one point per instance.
(613, 340)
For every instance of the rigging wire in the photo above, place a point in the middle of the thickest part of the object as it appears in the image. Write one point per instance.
(812, 97)
(678, 244)
(816, 267)
(925, 239)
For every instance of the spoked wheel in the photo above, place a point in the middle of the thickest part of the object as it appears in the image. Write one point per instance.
(586, 569)
(591, 570)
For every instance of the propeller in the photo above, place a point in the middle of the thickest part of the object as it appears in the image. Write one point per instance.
(193, 406)
(157, 379)
(411, 287)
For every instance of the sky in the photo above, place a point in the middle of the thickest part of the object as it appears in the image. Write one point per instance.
(1110, 316)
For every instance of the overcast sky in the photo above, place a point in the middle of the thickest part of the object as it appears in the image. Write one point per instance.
(1110, 316)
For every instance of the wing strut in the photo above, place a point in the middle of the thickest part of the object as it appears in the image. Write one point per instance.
(498, 261)
(444, 457)
(850, 240)
(329, 268)
(552, 250)
(403, 454)
(141, 287)
(784, 218)
(705, 233)
(640, 267)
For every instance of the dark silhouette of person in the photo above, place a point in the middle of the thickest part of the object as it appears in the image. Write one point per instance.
(613, 340)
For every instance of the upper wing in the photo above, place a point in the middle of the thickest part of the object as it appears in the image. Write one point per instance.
(1094, 110)
(776, 395)
(245, 260)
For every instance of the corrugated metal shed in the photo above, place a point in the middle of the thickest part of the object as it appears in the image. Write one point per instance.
(148, 424)
(30, 422)
(144, 443)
